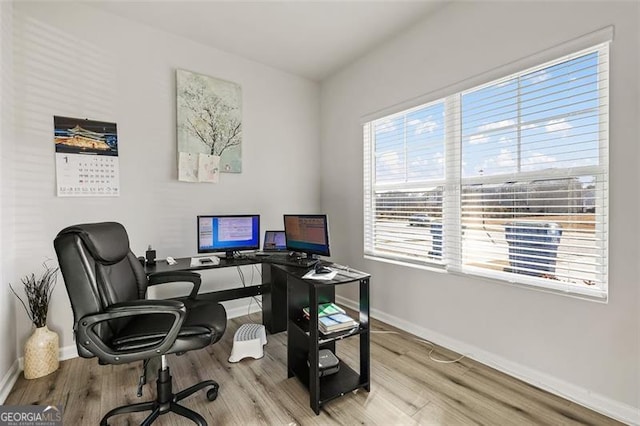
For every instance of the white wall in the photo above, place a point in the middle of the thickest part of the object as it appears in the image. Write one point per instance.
(585, 350)
(73, 60)
(7, 329)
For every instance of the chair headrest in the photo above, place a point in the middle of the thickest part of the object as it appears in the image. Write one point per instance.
(108, 242)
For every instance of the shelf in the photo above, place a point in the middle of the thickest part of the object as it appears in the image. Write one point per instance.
(334, 385)
(303, 326)
(340, 383)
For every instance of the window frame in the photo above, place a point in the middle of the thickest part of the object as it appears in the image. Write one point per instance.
(454, 181)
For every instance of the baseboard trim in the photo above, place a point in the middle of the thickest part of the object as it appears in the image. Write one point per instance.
(8, 381)
(600, 403)
(68, 352)
(242, 311)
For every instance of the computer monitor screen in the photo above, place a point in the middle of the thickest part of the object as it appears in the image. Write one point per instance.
(228, 233)
(274, 241)
(307, 233)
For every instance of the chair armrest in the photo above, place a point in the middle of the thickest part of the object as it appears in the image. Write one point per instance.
(88, 338)
(177, 276)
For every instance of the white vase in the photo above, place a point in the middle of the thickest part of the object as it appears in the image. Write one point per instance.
(41, 353)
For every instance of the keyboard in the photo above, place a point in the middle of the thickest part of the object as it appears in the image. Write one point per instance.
(285, 259)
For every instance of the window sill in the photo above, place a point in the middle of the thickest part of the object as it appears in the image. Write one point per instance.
(536, 284)
(494, 277)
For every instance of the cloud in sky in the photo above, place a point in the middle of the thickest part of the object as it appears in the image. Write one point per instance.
(483, 138)
(426, 127)
(538, 158)
(430, 167)
(538, 76)
(478, 139)
(435, 158)
(496, 125)
(506, 162)
(505, 159)
(385, 126)
(558, 125)
(388, 166)
(389, 159)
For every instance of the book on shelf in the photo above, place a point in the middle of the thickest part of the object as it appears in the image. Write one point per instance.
(336, 322)
(325, 309)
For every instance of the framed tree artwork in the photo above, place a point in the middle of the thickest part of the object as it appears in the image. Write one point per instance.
(209, 125)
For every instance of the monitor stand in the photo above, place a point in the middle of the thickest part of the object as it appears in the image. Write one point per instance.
(308, 259)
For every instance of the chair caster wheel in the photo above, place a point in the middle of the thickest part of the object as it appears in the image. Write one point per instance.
(212, 394)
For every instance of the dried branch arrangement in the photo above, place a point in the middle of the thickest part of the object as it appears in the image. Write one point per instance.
(38, 294)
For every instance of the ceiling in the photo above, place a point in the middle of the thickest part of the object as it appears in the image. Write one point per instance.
(312, 39)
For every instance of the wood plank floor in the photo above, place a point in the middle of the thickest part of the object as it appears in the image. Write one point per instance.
(407, 388)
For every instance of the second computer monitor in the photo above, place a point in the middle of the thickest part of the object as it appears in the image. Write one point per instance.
(307, 233)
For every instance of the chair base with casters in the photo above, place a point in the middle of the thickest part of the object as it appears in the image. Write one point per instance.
(166, 401)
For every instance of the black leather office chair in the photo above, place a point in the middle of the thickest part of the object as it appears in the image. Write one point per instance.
(113, 321)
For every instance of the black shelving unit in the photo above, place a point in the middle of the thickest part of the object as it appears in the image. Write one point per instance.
(305, 341)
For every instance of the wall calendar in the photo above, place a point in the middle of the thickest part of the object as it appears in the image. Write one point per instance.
(86, 158)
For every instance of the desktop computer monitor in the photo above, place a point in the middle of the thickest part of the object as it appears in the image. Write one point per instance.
(228, 234)
(307, 233)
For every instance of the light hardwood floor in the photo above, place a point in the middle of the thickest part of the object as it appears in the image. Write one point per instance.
(407, 388)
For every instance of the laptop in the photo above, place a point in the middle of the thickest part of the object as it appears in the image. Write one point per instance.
(274, 242)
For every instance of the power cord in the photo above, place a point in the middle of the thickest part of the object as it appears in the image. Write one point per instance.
(257, 269)
(427, 342)
(253, 298)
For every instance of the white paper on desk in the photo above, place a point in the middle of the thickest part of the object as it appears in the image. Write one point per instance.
(352, 273)
(311, 275)
(197, 261)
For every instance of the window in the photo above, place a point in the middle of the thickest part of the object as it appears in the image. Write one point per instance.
(507, 180)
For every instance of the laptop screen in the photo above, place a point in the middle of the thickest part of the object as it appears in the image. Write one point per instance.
(274, 241)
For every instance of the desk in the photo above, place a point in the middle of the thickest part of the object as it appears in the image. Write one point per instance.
(273, 288)
(284, 294)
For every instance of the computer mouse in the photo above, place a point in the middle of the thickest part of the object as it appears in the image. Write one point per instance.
(322, 269)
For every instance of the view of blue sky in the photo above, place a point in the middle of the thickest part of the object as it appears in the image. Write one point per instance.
(544, 119)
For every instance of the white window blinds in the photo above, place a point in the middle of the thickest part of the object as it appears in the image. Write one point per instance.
(507, 180)
(405, 176)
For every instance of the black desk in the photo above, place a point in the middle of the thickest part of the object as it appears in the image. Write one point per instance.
(273, 287)
(284, 294)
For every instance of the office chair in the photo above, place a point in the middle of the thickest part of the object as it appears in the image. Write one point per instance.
(113, 321)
